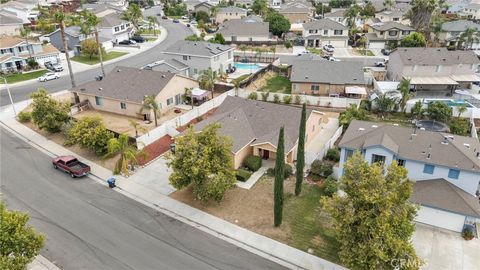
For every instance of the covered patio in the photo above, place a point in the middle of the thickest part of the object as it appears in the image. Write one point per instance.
(355, 91)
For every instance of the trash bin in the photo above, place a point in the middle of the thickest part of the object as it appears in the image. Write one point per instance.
(111, 182)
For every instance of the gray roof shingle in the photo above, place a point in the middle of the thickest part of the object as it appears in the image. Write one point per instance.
(111, 20)
(324, 24)
(435, 56)
(199, 48)
(391, 25)
(459, 26)
(248, 26)
(231, 9)
(322, 71)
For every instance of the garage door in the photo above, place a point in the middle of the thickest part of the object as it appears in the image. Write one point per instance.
(376, 45)
(440, 218)
(336, 43)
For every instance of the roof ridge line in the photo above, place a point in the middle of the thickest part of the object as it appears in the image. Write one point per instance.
(453, 187)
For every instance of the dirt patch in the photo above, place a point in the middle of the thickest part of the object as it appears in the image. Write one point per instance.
(155, 149)
(196, 120)
(261, 81)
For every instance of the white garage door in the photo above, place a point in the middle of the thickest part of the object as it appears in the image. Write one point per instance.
(439, 218)
(376, 45)
(336, 43)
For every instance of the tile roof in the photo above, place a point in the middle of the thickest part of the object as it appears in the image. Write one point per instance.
(459, 26)
(199, 48)
(385, 26)
(441, 194)
(129, 84)
(246, 120)
(323, 71)
(298, 8)
(425, 146)
(324, 24)
(434, 56)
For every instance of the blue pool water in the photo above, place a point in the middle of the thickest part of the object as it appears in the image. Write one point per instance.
(452, 102)
(247, 66)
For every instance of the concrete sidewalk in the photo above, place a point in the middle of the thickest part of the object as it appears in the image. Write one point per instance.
(42, 263)
(250, 241)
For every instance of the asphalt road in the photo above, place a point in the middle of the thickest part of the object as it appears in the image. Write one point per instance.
(89, 226)
(175, 31)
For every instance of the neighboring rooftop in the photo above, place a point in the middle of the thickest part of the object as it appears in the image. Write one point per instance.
(391, 13)
(459, 26)
(245, 120)
(435, 56)
(295, 8)
(441, 194)
(231, 9)
(111, 20)
(324, 24)
(198, 48)
(323, 71)
(12, 41)
(9, 18)
(385, 26)
(437, 148)
(248, 26)
(118, 84)
(335, 14)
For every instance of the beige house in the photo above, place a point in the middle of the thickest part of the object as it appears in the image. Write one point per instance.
(254, 125)
(326, 78)
(230, 13)
(124, 89)
(388, 34)
(296, 13)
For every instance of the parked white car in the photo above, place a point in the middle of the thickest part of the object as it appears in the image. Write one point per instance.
(329, 48)
(48, 77)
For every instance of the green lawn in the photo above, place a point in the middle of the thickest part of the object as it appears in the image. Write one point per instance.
(148, 32)
(309, 225)
(278, 84)
(23, 77)
(315, 51)
(150, 39)
(95, 60)
(365, 52)
(241, 78)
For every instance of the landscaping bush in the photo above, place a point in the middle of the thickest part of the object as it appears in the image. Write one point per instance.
(265, 96)
(298, 99)
(467, 234)
(253, 96)
(276, 98)
(90, 133)
(24, 116)
(321, 168)
(253, 163)
(333, 154)
(242, 175)
(287, 99)
(286, 172)
(47, 113)
(32, 63)
(459, 126)
(330, 186)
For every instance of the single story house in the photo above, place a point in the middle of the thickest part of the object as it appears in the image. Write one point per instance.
(254, 126)
(248, 29)
(385, 35)
(325, 31)
(124, 89)
(326, 78)
(15, 51)
(229, 13)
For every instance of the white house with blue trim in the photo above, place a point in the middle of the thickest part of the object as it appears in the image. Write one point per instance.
(427, 156)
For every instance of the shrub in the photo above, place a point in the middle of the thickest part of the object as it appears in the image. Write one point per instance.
(459, 126)
(333, 154)
(265, 96)
(286, 172)
(253, 163)
(24, 116)
(298, 99)
(242, 175)
(253, 96)
(48, 113)
(321, 168)
(287, 99)
(288, 44)
(330, 186)
(276, 98)
(467, 234)
(90, 133)
(32, 63)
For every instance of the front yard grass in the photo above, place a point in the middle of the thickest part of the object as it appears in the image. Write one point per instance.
(14, 78)
(315, 51)
(148, 32)
(364, 52)
(278, 84)
(95, 60)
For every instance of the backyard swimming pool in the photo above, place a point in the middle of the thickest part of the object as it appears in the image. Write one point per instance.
(247, 66)
(451, 102)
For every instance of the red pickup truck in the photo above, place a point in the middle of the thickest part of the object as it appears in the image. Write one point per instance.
(71, 165)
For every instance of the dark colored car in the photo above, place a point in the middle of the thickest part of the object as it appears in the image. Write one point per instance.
(385, 51)
(164, 17)
(138, 39)
(71, 165)
(211, 30)
(126, 42)
(188, 25)
(176, 21)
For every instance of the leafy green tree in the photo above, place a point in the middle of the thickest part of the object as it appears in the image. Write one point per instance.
(404, 88)
(89, 48)
(340, 3)
(385, 104)
(152, 23)
(259, 7)
(368, 10)
(301, 152)
(461, 109)
(48, 113)
(202, 15)
(91, 21)
(204, 162)
(278, 24)
(133, 14)
(351, 113)
(373, 219)
(352, 14)
(207, 79)
(127, 152)
(90, 133)
(321, 9)
(288, 44)
(414, 39)
(279, 177)
(439, 111)
(469, 36)
(19, 242)
(417, 110)
(150, 104)
(218, 38)
(388, 4)
(193, 37)
(459, 126)
(420, 14)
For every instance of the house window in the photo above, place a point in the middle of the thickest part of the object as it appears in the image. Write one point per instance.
(453, 174)
(378, 158)
(325, 32)
(401, 162)
(311, 31)
(439, 68)
(396, 20)
(195, 71)
(169, 101)
(314, 87)
(2, 51)
(99, 101)
(185, 57)
(117, 29)
(20, 49)
(122, 27)
(348, 153)
(427, 168)
(123, 106)
(338, 32)
(392, 33)
(381, 32)
(405, 32)
(414, 67)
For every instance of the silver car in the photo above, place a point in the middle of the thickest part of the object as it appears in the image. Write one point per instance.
(48, 76)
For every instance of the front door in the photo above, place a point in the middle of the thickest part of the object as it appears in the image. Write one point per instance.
(18, 64)
(266, 154)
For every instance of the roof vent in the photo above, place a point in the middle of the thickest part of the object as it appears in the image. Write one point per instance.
(306, 77)
(361, 129)
(100, 89)
(119, 70)
(374, 126)
(422, 128)
(82, 89)
(466, 145)
(163, 75)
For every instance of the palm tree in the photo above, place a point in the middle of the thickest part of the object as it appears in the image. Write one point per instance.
(152, 23)
(24, 33)
(150, 104)
(133, 14)
(128, 154)
(404, 88)
(85, 30)
(469, 37)
(236, 85)
(207, 79)
(385, 104)
(92, 21)
(135, 125)
(461, 109)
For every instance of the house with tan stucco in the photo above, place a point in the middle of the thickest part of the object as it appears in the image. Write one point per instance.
(253, 127)
(124, 89)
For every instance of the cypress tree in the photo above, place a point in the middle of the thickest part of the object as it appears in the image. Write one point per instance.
(301, 152)
(279, 177)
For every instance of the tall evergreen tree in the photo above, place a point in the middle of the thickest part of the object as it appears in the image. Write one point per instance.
(279, 177)
(301, 152)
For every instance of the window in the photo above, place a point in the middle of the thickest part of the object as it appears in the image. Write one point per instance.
(396, 19)
(439, 68)
(325, 32)
(195, 71)
(392, 33)
(405, 32)
(453, 174)
(122, 27)
(428, 169)
(314, 87)
(401, 162)
(378, 158)
(311, 31)
(2, 51)
(123, 106)
(20, 49)
(185, 57)
(381, 33)
(99, 101)
(348, 153)
(169, 101)
(117, 29)
(338, 32)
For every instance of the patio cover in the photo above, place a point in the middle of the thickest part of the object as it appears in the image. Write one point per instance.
(466, 78)
(355, 90)
(432, 80)
(198, 93)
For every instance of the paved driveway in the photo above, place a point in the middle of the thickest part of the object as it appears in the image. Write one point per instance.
(155, 176)
(442, 249)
